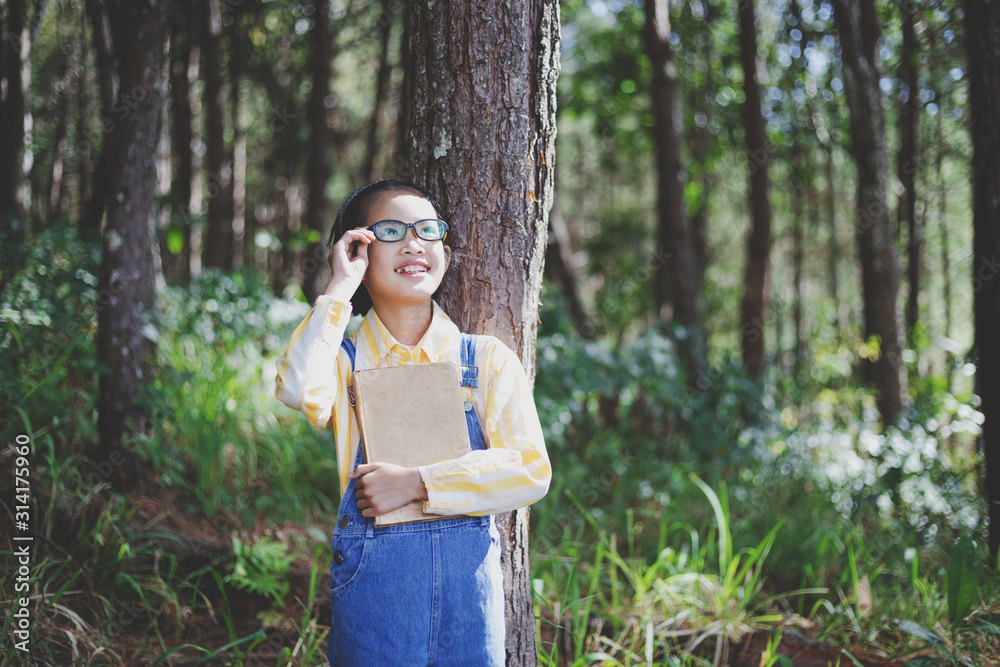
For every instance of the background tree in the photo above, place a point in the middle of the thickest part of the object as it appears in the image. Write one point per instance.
(483, 141)
(759, 242)
(906, 157)
(15, 17)
(318, 168)
(106, 34)
(982, 25)
(217, 243)
(675, 263)
(126, 279)
(859, 32)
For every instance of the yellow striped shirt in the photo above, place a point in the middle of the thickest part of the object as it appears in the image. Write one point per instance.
(514, 471)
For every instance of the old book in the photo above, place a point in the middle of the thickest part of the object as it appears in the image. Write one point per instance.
(411, 416)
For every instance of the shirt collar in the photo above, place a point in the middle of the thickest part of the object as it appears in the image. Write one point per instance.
(435, 343)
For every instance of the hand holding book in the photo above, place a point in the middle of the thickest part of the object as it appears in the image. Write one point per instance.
(383, 487)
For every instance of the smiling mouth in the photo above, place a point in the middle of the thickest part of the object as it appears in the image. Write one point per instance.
(411, 269)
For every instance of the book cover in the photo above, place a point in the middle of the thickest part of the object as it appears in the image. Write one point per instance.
(411, 416)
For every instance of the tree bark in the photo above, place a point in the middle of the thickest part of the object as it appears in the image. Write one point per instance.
(483, 141)
(178, 266)
(982, 29)
(906, 164)
(318, 169)
(12, 107)
(858, 28)
(218, 241)
(675, 262)
(758, 263)
(125, 287)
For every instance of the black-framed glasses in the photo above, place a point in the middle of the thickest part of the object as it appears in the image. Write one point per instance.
(390, 231)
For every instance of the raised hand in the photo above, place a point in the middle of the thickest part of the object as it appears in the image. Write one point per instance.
(348, 263)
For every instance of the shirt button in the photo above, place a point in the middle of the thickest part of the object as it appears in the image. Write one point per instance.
(345, 522)
(338, 557)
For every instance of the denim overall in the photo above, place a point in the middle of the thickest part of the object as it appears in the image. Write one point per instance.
(414, 594)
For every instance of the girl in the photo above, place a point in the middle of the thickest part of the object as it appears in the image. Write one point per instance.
(428, 592)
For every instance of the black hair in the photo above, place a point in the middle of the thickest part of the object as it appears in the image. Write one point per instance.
(354, 213)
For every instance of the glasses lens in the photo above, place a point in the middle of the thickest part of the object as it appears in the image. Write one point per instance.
(430, 230)
(388, 231)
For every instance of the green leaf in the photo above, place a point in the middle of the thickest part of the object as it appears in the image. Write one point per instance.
(963, 580)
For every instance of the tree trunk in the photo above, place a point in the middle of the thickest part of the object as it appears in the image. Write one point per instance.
(318, 169)
(483, 127)
(385, 21)
(12, 106)
(982, 29)
(403, 166)
(675, 262)
(858, 27)
(559, 269)
(125, 287)
(755, 295)
(236, 197)
(218, 241)
(907, 164)
(178, 266)
(89, 224)
(833, 266)
(798, 255)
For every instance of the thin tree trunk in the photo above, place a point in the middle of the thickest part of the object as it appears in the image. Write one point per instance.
(385, 21)
(798, 254)
(982, 29)
(858, 26)
(943, 226)
(702, 144)
(126, 281)
(483, 127)
(12, 107)
(560, 269)
(907, 165)
(218, 240)
(833, 242)
(675, 262)
(178, 266)
(404, 168)
(236, 193)
(49, 203)
(318, 170)
(89, 224)
(758, 263)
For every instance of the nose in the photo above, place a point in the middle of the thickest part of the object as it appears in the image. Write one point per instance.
(411, 242)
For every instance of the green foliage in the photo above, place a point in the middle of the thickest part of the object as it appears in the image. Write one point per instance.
(963, 580)
(259, 568)
(217, 430)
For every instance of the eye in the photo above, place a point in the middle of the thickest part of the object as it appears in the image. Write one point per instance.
(390, 230)
(429, 228)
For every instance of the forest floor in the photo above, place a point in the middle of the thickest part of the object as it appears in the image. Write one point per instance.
(220, 616)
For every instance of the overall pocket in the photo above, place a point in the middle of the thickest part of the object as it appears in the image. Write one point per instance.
(348, 561)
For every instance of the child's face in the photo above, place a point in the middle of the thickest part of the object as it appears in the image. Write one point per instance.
(405, 272)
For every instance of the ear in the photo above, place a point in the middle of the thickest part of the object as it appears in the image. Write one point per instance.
(447, 257)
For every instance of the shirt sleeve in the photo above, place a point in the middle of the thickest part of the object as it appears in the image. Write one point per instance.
(514, 471)
(308, 377)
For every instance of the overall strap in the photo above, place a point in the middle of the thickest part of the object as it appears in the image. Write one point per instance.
(348, 345)
(470, 372)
